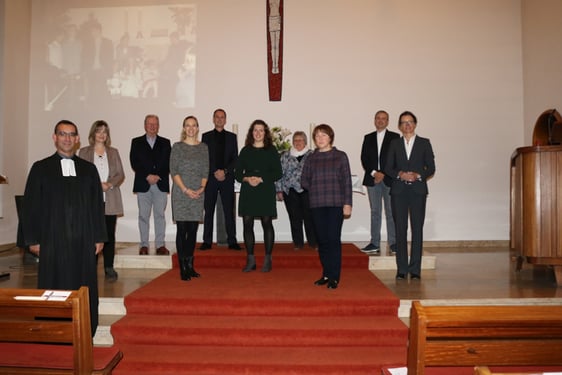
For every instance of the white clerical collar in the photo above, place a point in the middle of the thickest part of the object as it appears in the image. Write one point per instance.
(67, 166)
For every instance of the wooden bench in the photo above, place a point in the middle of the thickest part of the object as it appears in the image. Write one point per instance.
(484, 370)
(50, 337)
(484, 335)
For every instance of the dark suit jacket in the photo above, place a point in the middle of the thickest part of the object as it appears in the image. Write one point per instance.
(146, 160)
(230, 152)
(370, 156)
(421, 161)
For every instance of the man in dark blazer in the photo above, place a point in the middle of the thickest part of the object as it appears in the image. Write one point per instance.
(223, 152)
(150, 159)
(410, 163)
(373, 159)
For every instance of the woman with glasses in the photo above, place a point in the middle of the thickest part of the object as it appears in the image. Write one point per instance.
(410, 162)
(289, 191)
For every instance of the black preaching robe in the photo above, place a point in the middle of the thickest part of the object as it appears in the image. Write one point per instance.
(65, 216)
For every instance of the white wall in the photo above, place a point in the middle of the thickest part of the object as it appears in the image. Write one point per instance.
(542, 53)
(14, 122)
(456, 65)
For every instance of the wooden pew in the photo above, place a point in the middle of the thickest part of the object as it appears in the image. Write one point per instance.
(50, 337)
(484, 335)
(484, 370)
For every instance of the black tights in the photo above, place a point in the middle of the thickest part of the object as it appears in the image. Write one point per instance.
(268, 233)
(186, 234)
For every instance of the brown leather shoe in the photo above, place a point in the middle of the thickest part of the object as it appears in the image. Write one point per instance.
(162, 251)
(143, 250)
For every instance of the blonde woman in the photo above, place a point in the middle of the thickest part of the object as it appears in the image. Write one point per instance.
(189, 167)
(108, 163)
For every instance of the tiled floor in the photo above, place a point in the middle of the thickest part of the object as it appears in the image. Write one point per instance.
(475, 273)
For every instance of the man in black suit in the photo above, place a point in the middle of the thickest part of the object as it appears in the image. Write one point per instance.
(150, 159)
(373, 159)
(223, 152)
(410, 163)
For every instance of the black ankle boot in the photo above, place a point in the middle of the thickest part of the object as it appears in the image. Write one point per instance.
(266, 263)
(250, 263)
(190, 270)
(184, 271)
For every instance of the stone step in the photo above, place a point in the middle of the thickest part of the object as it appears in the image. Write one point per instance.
(388, 262)
(129, 257)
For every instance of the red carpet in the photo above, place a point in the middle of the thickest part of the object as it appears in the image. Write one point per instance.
(230, 322)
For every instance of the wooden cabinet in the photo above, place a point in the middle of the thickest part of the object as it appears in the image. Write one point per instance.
(536, 206)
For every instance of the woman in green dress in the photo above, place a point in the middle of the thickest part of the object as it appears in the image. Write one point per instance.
(257, 169)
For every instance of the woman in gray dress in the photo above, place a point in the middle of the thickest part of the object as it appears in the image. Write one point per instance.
(189, 167)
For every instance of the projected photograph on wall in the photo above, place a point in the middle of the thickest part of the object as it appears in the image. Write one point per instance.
(117, 55)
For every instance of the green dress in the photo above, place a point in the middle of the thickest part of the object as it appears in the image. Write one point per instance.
(259, 162)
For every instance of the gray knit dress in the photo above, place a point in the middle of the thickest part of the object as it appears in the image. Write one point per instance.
(191, 163)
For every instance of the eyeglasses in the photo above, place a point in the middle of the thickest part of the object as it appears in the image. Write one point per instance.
(65, 134)
(407, 123)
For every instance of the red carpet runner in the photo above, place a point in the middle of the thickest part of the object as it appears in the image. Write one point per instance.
(230, 322)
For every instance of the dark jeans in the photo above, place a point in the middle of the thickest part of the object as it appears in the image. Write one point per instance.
(186, 235)
(299, 213)
(328, 222)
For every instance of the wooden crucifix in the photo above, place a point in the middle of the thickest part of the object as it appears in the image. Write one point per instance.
(275, 48)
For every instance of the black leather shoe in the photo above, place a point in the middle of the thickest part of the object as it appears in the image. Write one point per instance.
(369, 248)
(205, 246)
(400, 276)
(415, 276)
(110, 274)
(234, 246)
(322, 281)
(332, 284)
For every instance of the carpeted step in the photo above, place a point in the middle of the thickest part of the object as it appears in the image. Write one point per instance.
(382, 331)
(288, 292)
(284, 256)
(279, 322)
(295, 360)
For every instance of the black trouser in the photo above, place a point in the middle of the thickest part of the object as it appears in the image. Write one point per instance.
(329, 222)
(409, 203)
(226, 190)
(109, 246)
(299, 213)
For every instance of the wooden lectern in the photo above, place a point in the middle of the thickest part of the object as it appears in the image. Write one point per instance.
(536, 196)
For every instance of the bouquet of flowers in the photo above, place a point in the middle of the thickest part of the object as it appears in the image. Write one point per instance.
(280, 138)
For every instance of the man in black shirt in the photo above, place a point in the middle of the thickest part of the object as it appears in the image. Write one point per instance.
(223, 152)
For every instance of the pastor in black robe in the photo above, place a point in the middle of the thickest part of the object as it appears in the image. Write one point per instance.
(65, 216)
